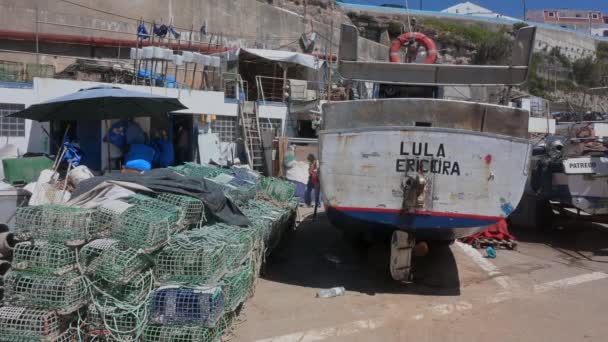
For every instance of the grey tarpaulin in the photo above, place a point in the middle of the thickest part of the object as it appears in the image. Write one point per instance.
(164, 180)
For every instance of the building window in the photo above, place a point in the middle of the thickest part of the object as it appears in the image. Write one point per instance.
(268, 124)
(11, 127)
(551, 14)
(594, 16)
(225, 127)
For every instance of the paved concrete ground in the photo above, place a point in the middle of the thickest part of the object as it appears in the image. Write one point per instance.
(554, 287)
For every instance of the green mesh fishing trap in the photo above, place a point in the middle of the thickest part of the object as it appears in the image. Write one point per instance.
(272, 220)
(279, 190)
(145, 227)
(200, 171)
(240, 242)
(43, 257)
(56, 224)
(92, 250)
(108, 215)
(111, 261)
(237, 286)
(170, 211)
(70, 335)
(65, 294)
(187, 305)
(191, 258)
(19, 324)
(191, 209)
(239, 191)
(111, 322)
(171, 333)
(133, 292)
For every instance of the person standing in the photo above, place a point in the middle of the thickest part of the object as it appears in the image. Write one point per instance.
(313, 181)
(182, 146)
(411, 51)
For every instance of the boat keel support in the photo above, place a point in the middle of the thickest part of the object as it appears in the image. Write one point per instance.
(402, 245)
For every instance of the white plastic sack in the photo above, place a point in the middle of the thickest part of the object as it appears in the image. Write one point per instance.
(298, 172)
(80, 173)
(44, 192)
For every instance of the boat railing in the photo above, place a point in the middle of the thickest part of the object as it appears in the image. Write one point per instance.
(274, 89)
(436, 74)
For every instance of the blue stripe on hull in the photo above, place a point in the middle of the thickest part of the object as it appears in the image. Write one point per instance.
(423, 226)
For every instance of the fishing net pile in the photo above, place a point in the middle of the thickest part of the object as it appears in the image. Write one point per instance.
(142, 268)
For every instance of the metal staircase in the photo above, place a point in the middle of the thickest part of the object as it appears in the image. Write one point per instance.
(251, 132)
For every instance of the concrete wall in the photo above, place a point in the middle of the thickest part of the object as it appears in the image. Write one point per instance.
(572, 45)
(238, 23)
(371, 51)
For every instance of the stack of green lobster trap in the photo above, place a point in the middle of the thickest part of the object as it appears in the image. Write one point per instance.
(142, 268)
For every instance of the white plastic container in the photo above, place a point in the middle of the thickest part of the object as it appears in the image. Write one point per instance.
(215, 61)
(188, 56)
(159, 53)
(167, 55)
(10, 199)
(178, 60)
(206, 60)
(198, 58)
(136, 53)
(148, 52)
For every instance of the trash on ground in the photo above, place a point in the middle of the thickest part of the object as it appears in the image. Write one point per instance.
(329, 293)
(490, 252)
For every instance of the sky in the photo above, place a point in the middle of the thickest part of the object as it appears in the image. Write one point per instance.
(512, 8)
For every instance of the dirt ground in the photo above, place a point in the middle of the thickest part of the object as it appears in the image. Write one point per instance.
(551, 288)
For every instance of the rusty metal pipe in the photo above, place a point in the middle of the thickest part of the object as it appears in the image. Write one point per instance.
(98, 41)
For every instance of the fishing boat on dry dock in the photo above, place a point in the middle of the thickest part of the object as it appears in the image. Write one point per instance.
(423, 169)
(570, 170)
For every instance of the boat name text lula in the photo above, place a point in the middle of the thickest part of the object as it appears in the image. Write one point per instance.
(432, 162)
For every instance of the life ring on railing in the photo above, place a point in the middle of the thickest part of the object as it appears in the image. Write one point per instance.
(428, 43)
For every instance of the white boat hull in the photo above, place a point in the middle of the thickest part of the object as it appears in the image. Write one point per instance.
(473, 179)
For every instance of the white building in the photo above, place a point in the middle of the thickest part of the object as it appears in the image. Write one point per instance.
(469, 8)
(30, 136)
(600, 31)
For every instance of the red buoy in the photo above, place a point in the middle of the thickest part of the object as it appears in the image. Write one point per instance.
(422, 39)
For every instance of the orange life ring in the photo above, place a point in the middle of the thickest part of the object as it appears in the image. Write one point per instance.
(420, 38)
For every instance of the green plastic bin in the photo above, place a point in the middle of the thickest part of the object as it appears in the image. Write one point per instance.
(25, 170)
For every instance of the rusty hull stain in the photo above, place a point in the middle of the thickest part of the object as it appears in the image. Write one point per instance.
(368, 168)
